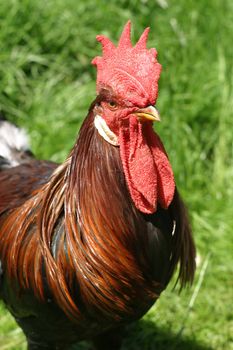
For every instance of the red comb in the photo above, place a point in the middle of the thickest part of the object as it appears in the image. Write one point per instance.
(131, 71)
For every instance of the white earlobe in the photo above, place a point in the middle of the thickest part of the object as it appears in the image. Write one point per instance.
(104, 131)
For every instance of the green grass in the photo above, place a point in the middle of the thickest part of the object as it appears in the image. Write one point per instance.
(47, 84)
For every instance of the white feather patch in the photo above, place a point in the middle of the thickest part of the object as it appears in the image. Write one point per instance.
(12, 139)
(104, 131)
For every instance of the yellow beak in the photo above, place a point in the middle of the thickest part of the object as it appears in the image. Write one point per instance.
(148, 113)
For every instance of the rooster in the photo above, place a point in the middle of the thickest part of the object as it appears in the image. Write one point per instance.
(86, 247)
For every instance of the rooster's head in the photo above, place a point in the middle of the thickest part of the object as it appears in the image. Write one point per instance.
(127, 85)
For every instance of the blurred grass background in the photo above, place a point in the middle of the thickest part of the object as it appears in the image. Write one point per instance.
(46, 86)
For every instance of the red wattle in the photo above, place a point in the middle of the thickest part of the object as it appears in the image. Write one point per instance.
(147, 170)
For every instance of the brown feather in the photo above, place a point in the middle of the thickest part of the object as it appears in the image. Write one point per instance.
(79, 229)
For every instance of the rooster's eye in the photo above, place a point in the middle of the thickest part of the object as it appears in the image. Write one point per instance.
(112, 105)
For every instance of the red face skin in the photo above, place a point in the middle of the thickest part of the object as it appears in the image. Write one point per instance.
(113, 110)
(114, 114)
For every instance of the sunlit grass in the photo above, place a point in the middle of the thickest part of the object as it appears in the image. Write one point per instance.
(47, 84)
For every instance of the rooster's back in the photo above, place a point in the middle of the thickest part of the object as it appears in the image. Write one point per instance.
(20, 172)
